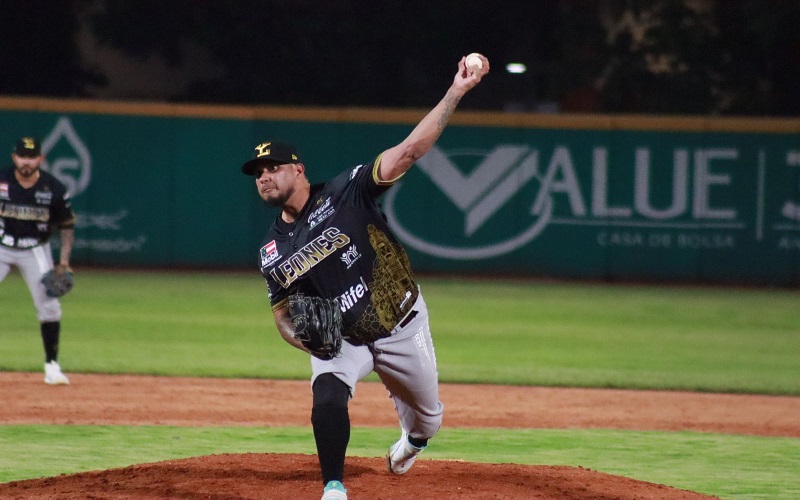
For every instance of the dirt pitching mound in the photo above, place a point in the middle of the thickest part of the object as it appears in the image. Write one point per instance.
(144, 400)
(268, 476)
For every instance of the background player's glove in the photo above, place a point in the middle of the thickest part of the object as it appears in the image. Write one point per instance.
(57, 282)
(317, 324)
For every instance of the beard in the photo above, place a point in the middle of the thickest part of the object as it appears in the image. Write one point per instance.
(277, 199)
(27, 171)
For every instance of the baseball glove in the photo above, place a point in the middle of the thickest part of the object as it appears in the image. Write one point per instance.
(317, 324)
(59, 281)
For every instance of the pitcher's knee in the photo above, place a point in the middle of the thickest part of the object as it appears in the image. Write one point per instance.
(48, 310)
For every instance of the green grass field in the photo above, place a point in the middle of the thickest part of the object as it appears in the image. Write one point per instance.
(567, 334)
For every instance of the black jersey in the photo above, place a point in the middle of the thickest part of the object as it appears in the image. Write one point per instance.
(340, 246)
(29, 216)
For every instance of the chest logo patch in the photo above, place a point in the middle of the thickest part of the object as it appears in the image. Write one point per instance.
(324, 211)
(350, 256)
(44, 197)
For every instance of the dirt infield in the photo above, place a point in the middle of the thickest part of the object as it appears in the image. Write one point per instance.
(138, 400)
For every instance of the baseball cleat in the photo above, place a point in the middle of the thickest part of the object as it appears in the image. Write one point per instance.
(401, 455)
(53, 374)
(334, 490)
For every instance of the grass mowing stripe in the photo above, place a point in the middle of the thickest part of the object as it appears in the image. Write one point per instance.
(562, 334)
(729, 466)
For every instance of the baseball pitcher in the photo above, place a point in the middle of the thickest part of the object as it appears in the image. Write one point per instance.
(342, 289)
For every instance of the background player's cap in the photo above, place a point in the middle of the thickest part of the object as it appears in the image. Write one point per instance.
(275, 152)
(29, 147)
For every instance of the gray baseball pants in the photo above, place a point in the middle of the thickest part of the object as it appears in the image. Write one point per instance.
(33, 263)
(405, 363)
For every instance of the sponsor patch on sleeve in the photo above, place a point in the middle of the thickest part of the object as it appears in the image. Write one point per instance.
(269, 254)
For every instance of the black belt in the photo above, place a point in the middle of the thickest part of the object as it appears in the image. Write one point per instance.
(408, 318)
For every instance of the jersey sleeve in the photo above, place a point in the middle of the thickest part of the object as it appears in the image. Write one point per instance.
(61, 213)
(367, 177)
(278, 296)
(268, 256)
(376, 174)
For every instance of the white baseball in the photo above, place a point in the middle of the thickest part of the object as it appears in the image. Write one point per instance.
(474, 60)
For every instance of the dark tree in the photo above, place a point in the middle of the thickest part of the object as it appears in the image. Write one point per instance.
(717, 57)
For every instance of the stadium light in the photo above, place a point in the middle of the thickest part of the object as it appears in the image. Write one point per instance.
(516, 68)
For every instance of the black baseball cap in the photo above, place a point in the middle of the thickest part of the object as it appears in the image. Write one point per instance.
(29, 147)
(271, 152)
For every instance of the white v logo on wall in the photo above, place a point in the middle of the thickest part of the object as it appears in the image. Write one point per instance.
(498, 177)
(75, 172)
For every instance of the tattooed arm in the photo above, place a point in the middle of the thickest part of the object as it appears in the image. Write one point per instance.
(67, 241)
(395, 161)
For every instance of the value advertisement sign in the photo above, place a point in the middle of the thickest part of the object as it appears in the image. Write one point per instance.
(617, 201)
(615, 204)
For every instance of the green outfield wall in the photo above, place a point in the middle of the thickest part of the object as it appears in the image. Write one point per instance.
(600, 197)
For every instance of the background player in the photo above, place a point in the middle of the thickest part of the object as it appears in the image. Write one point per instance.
(332, 240)
(33, 204)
